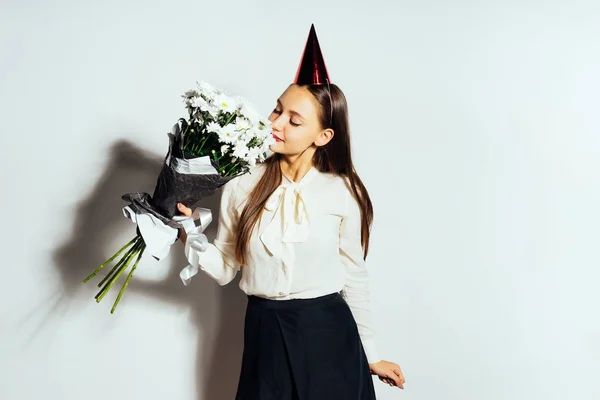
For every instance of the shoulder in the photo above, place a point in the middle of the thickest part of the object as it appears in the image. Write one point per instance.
(334, 191)
(334, 184)
(238, 188)
(247, 181)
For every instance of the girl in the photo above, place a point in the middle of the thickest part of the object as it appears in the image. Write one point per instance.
(297, 226)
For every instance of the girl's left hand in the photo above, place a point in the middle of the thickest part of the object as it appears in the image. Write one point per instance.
(388, 372)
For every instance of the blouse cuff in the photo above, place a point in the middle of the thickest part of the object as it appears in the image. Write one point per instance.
(371, 351)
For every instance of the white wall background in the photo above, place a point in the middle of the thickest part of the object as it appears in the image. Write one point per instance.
(475, 128)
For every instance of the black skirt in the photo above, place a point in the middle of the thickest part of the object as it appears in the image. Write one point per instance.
(303, 349)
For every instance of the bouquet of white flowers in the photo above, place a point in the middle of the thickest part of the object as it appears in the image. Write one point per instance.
(222, 138)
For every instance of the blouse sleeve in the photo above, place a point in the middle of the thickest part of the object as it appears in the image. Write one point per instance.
(356, 289)
(218, 259)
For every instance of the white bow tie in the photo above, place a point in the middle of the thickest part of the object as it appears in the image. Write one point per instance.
(290, 222)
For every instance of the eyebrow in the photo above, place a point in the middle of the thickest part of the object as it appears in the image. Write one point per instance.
(291, 111)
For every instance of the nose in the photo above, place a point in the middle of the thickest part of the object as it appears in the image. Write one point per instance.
(276, 122)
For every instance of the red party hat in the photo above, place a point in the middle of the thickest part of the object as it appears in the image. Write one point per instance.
(312, 69)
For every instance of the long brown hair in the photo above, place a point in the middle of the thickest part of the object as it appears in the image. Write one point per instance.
(335, 157)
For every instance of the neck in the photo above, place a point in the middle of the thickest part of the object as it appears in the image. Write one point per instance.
(295, 167)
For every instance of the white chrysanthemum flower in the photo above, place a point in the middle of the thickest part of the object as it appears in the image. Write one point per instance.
(264, 124)
(240, 149)
(267, 143)
(207, 106)
(249, 112)
(264, 155)
(200, 103)
(224, 149)
(207, 89)
(245, 136)
(213, 127)
(253, 155)
(189, 102)
(191, 93)
(240, 102)
(242, 124)
(264, 129)
(225, 103)
(228, 134)
(214, 111)
(260, 134)
(189, 97)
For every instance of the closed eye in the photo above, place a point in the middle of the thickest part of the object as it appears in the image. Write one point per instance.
(278, 112)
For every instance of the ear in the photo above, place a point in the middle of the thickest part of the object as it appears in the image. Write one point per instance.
(324, 137)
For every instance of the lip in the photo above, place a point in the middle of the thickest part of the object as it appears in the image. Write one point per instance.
(277, 138)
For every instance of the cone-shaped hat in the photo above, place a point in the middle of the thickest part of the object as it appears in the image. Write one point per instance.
(312, 68)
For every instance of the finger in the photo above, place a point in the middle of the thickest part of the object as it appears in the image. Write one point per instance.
(400, 375)
(398, 372)
(184, 210)
(386, 380)
(397, 381)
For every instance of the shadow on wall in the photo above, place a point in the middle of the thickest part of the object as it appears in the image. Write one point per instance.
(99, 217)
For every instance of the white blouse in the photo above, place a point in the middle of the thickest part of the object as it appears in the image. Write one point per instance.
(306, 244)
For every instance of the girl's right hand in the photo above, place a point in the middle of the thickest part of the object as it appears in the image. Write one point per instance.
(184, 210)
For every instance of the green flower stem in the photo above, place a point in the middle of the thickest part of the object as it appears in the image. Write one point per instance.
(127, 256)
(185, 134)
(112, 281)
(232, 167)
(110, 260)
(128, 279)
(230, 119)
(226, 165)
(202, 144)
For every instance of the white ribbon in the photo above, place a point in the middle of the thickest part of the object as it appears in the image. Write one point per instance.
(200, 217)
(204, 216)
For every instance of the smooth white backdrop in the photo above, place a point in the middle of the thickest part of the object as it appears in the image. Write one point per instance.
(475, 128)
